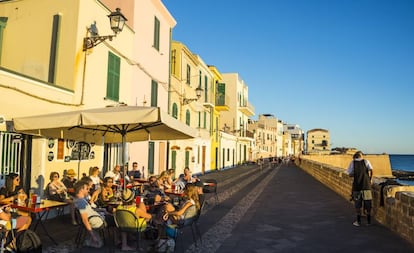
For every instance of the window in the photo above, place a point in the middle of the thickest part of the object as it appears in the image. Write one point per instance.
(151, 152)
(53, 48)
(175, 111)
(228, 154)
(205, 120)
(174, 159)
(199, 119)
(3, 21)
(188, 81)
(187, 117)
(154, 93)
(221, 94)
(187, 158)
(156, 34)
(10, 153)
(112, 85)
(205, 89)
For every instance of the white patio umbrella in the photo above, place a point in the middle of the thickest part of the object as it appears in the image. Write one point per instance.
(109, 125)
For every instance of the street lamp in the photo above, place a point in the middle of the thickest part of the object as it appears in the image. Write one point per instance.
(117, 22)
(198, 91)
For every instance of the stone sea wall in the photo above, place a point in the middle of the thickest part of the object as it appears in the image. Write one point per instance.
(393, 205)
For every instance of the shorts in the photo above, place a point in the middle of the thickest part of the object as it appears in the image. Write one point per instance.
(362, 197)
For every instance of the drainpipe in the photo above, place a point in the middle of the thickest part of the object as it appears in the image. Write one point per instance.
(169, 95)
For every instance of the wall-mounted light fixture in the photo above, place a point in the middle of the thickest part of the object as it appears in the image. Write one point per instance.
(198, 91)
(117, 21)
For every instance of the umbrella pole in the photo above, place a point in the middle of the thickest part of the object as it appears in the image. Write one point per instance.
(124, 159)
(79, 158)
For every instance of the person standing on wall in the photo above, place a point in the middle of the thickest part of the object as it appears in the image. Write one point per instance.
(361, 170)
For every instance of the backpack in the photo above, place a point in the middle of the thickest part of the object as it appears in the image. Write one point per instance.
(28, 241)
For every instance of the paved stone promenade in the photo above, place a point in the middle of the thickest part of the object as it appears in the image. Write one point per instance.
(279, 209)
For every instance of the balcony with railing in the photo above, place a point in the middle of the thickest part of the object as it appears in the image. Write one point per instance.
(246, 108)
(222, 101)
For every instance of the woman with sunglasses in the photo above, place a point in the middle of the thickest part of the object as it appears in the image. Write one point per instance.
(56, 190)
(12, 189)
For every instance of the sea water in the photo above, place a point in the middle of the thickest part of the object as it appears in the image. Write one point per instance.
(404, 163)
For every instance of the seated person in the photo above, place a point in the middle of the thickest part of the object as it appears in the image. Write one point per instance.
(135, 173)
(6, 219)
(96, 179)
(11, 189)
(153, 193)
(90, 218)
(107, 193)
(128, 203)
(69, 180)
(189, 208)
(171, 177)
(92, 196)
(162, 181)
(201, 196)
(55, 189)
(185, 178)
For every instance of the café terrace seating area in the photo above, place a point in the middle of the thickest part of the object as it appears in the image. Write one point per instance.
(156, 193)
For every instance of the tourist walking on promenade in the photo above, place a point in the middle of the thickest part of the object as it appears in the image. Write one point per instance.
(361, 170)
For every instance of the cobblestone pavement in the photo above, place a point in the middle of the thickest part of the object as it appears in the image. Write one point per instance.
(279, 209)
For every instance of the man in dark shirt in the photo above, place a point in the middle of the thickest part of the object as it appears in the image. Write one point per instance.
(135, 173)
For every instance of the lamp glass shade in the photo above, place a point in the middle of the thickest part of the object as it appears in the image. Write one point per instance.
(117, 20)
(198, 90)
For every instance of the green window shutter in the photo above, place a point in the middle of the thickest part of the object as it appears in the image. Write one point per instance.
(187, 117)
(199, 119)
(112, 85)
(187, 158)
(175, 111)
(205, 89)
(156, 33)
(188, 81)
(205, 120)
(151, 151)
(154, 93)
(174, 159)
(53, 48)
(3, 22)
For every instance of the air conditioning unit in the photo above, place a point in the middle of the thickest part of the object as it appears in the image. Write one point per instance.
(3, 127)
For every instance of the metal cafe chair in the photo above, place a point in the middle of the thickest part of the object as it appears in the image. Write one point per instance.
(195, 228)
(81, 233)
(127, 222)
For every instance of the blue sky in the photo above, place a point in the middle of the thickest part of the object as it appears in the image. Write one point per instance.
(343, 65)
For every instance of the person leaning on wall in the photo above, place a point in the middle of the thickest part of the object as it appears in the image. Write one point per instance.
(361, 171)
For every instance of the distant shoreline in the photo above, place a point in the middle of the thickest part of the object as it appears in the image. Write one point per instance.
(403, 174)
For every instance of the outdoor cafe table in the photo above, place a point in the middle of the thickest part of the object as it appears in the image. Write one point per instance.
(141, 180)
(40, 210)
(175, 193)
(176, 196)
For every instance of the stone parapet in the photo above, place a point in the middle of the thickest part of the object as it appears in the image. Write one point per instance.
(381, 163)
(393, 205)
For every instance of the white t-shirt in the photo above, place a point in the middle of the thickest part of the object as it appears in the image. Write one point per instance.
(96, 181)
